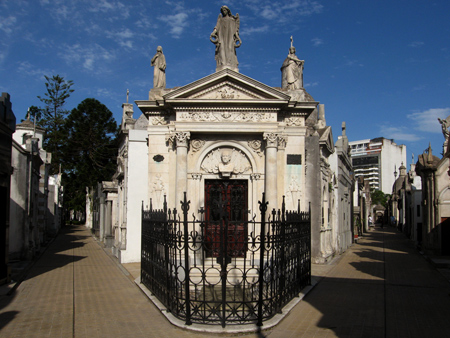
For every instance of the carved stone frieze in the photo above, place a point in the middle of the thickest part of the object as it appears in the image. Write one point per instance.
(226, 162)
(294, 121)
(227, 115)
(158, 120)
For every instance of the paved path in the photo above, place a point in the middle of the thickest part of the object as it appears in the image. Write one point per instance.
(381, 287)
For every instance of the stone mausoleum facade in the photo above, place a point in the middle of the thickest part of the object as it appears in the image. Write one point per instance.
(224, 130)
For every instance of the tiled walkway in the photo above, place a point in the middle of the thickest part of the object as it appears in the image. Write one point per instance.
(381, 287)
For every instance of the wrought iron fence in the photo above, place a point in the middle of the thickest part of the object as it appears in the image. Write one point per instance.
(221, 272)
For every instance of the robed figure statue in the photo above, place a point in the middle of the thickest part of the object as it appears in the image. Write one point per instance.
(292, 71)
(159, 73)
(226, 38)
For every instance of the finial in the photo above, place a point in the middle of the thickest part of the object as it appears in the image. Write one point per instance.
(343, 128)
(28, 114)
(292, 41)
(128, 93)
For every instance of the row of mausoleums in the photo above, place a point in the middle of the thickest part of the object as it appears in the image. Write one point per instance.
(31, 199)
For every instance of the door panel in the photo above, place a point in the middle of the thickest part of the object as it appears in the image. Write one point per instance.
(226, 210)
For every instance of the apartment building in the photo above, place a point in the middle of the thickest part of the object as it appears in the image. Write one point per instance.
(377, 160)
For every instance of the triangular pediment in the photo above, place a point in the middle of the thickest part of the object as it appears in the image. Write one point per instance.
(226, 85)
(326, 138)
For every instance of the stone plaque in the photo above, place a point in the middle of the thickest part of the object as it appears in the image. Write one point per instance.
(294, 159)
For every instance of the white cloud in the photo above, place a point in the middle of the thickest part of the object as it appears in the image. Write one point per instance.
(283, 12)
(27, 69)
(88, 57)
(123, 37)
(427, 120)
(317, 42)
(313, 84)
(7, 24)
(416, 44)
(398, 134)
(178, 22)
(349, 63)
(250, 30)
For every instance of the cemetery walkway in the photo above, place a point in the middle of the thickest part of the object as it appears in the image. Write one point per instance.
(380, 287)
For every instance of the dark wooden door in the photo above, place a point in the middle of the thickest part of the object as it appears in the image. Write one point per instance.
(226, 211)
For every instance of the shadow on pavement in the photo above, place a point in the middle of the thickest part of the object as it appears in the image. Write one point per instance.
(57, 254)
(382, 288)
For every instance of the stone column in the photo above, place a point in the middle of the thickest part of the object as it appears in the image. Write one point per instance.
(108, 224)
(313, 192)
(102, 214)
(271, 178)
(182, 139)
(281, 162)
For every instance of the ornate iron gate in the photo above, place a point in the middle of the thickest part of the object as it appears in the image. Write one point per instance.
(230, 274)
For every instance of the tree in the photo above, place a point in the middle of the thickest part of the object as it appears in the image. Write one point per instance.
(378, 197)
(90, 150)
(58, 91)
(52, 117)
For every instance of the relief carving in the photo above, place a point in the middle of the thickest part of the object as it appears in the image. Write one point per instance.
(282, 141)
(294, 122)
(293, 193)
(255, 145)
(225, 90)
(226, 162)
(159, 120)
(158, 192)
(228, 116)
(197, 144)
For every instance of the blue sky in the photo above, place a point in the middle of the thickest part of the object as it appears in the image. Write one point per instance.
(381, 66)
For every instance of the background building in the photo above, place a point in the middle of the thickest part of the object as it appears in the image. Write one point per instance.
(376, 160)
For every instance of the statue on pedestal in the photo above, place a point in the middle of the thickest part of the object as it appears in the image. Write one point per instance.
(292, 70)
(226, 38)
(159, 73)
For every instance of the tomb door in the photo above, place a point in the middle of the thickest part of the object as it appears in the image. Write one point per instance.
(226, 211)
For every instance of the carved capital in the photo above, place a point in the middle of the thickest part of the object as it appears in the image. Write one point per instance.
(282, 140)
(271, 140)
(255, 177)
(196, 176)
(182, 138)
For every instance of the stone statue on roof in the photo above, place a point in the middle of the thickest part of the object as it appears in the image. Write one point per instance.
(226, 38)
(445, 124)
(292, 70)
(159, 72)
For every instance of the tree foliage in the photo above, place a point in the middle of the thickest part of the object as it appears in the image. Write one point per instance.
(58, 91)
(52, 117)
(379, 198)
(90, 150)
